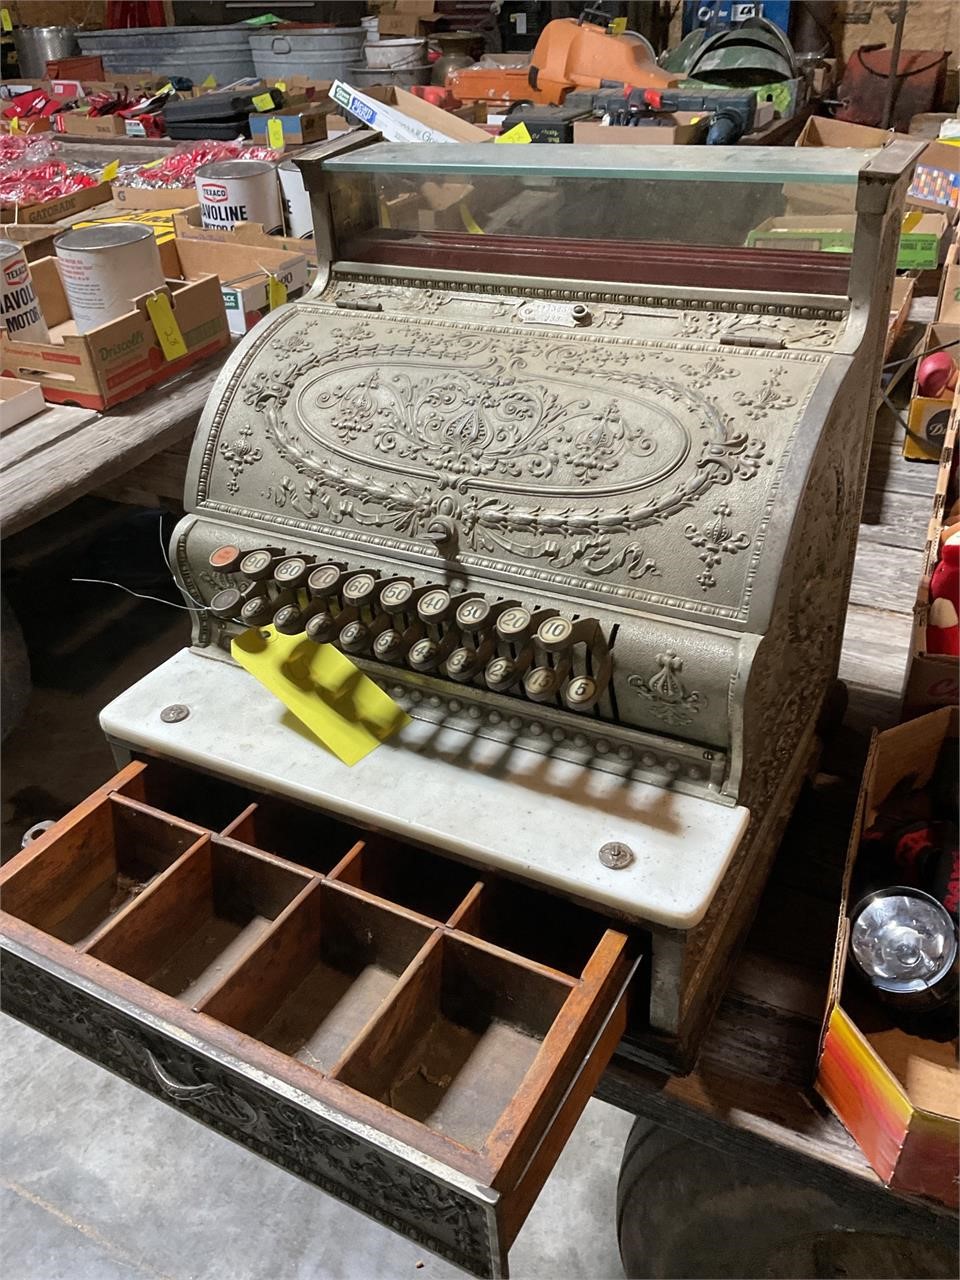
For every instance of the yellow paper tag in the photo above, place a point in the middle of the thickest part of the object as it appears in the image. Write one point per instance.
(910, 220)
(323, 689)
(469, 221)
(209, 83)
(165, 326)
(167, 88)
(5, 22)
(618, 26)
(110, 171)
(153, 163)
(519, 133)
(281, 85)
(263, 102)
(276, 293)
(15, 124)
(275, 133)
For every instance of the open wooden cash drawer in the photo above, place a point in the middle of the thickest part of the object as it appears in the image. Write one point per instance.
(413, 1037)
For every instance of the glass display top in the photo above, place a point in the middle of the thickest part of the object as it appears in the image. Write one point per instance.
(815, 165)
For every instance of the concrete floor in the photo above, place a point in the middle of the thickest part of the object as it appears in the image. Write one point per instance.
(102, 1182)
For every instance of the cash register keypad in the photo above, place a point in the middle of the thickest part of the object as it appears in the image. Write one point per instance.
(531, 653)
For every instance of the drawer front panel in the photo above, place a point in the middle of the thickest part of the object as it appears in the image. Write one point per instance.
(409, 1200)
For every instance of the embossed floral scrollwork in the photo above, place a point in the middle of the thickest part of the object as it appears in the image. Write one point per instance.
(239, 454)
(665, 693)
(717, 540)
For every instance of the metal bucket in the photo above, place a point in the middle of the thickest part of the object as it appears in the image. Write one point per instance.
(104, 268)
(232, 191)
(323, 53)
(395, 55)
(36, 46)
(20, 312)
(363, 76)
(297, 213)
(195, 52)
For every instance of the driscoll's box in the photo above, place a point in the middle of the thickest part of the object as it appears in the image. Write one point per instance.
(119, 359)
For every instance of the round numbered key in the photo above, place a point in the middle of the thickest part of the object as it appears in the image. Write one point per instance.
(256, 611)
(540, 684)
(472, 615)
(433, 606)
(554, 633)
(388, 645)
(288, 620)
(462, 663)
(396, 596)
(354, 638)
(423, 655)
(324, 580)
(500, 673)
(580, 693)
(225, 559)
(256, 565)
(514, 624)
(292, 572)
(358, 588)
(226, 604)
(321, 627)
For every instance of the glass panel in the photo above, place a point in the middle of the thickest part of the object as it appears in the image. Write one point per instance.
(686, 164)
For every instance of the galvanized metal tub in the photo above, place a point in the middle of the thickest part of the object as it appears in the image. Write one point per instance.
(196, 52)
(322, 53)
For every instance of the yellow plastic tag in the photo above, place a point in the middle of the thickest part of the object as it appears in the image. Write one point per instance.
(281, 85)
(519, 133)
(5, 22)
(469, 221)
(275, 133)
(15, 124)
(110, 171)
(910, 220)
(167, 88)
(323, 689)
(263, 102)
(276, 293)
(209, 83)
(618, 26)
(153, 163)
(165, 326)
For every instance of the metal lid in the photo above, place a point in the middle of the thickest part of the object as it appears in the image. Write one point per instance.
(902, 939)
(107, 236)
(234, 169)
(8, 249)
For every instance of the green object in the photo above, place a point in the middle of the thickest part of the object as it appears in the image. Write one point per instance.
(265, 20)
(918, 251)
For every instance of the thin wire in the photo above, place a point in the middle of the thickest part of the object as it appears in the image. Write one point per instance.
(105, 582)
(166, 560)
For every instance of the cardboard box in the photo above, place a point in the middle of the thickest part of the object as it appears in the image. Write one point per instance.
(83, 125)
(936, 179)
(154, 197)
(928, 416)
(822, 132)
(900, 300)
(36, 242)
(920, 237)
(20, 400)
(403, 117)
(188, 226)
(897, 1094)
(684, 127)
(122, 358)
(58, 208)
(243, 271)
(299, 127)
(933, 679)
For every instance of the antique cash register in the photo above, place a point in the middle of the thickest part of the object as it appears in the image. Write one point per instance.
(575, 477)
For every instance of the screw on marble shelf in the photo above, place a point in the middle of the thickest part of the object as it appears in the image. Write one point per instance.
(616, 855)
(173, 714)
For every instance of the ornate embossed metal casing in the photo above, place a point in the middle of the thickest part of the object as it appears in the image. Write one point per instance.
(583, 476)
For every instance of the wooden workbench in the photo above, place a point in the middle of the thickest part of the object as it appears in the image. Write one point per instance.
(51, 460)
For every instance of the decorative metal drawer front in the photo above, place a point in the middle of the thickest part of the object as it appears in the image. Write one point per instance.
(407, 1199)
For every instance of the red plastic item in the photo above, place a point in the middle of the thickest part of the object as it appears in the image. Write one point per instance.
(936, 374)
